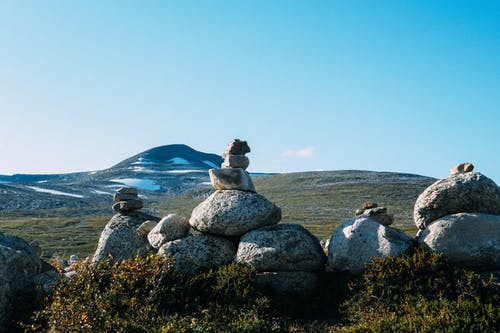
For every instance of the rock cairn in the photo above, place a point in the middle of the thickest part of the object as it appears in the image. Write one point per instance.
(237, 224)
(377, 213)
(462, 192)
(232, 175)
(356, 241)
(459, 216)
(127, 200)
(125, 235)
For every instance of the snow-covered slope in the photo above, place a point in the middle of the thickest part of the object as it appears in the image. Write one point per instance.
(156, 172)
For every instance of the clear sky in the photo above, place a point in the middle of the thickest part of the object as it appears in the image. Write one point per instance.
(407, 86)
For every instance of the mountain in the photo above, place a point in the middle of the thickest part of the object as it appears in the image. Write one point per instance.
(160, 171)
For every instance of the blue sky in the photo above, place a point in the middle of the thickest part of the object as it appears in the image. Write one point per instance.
(370, 85)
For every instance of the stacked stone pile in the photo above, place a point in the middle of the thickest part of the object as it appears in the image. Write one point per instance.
(125, 235)
(459, 216)
(237, 224)
(232, 175)
(356, 241)
(127, 200)
(377, 213)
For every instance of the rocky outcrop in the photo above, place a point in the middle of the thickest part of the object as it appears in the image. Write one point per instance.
(19, 266)
(355, 242)
(468, 239)
(170, 228)
(197, 252)
(233, 213)
(124, 235)
(468, 192)
(282, 247)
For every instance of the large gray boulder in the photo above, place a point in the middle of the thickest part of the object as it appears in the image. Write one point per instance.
(282, 247)
(19, 265)
(468, 239)
(356, 241)
(233, 213)
(469, 192)
(170, 228)
(120, 238)
(197, 252)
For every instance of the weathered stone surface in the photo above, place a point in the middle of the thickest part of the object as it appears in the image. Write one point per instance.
(356, 241)
(281, 247)
(170, 228)
(469, 192)
(462, 168)
(469, 239)
(384, 219)
(197, 252)
(236, 147)
(231, 179)
(19, 265)
(119, 238)
(369, 205)
(124, 197)
(233, 213)
(145, 228)
(128, 190)
(130, 205)
(235, 161)
(299, 284)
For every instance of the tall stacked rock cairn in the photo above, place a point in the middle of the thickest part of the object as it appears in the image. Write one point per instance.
(356, 241)
(237, 224)
(459, 216)
(125, 235)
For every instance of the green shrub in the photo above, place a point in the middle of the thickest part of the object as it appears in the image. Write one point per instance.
(147, 295)
(421, 292)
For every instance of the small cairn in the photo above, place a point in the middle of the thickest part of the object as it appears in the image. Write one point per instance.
(462, 168)
(232, 175)
(377, 213)
(125, 235)
(127, 200)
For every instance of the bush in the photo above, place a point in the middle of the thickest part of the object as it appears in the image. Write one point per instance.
(421, 292)
(147, 295)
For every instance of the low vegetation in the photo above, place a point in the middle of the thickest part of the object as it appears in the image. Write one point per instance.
(415, 292)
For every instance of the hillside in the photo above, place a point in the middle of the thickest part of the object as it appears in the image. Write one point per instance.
(65, 214)
(159, 171)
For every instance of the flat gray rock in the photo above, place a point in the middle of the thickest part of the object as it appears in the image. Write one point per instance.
(356, 241)
(170, 228)
(235, 161)
(468, 239)
(197, 252)
(19, 265)
(282, 247)
(120, 239)
(231, 179)
(469, 192)
(233, 213)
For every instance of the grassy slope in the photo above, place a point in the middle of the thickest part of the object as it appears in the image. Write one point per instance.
(318, 200)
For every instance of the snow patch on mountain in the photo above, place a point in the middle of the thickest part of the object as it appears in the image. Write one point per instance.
(179, 161)
(183, 171)
(210, 164)
(45, 190)
(143, 161)
(145, 184)
(101, 192)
